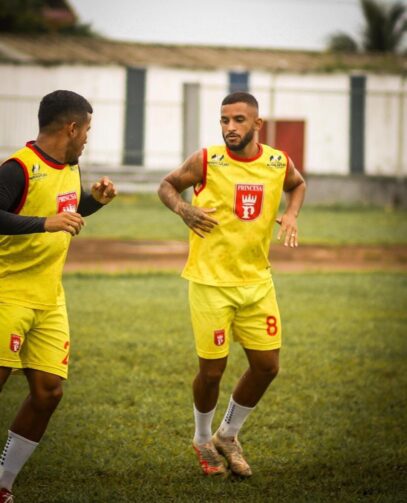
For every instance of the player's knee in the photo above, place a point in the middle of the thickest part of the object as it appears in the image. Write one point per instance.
(48, 398)
(273, 370)
(212, 376)
(268, 369)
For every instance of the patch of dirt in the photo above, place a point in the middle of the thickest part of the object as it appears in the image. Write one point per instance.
(106, 255)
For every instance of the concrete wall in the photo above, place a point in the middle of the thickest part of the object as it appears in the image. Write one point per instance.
(164, 112)
(382, 191)
(322, 101)
(386, 121)
(22, 87)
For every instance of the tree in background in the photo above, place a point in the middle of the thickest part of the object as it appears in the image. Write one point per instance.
(385, 27)
(40, 16)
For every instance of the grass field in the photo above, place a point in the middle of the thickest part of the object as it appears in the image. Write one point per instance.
(331, 429)
(144, 217)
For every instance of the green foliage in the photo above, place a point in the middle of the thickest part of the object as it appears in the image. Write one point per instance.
(143, 216)
(27, 16)
(384, 30)
(331, 428)
(342, 42)
(385, 26)
(21, 16)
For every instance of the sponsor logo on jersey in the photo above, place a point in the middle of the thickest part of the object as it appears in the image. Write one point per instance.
(276, 161)
(248, 201)
(217, 160)
(36, 172)
(67, 202)
(15, 343)
(219, 337)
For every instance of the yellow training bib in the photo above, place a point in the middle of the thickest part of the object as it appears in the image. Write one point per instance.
(31, 264)
(246, 194)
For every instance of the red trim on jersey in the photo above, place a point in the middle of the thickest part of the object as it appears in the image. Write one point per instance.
(246, 159)
(288, 162)
(24, 196)
(204, 171)
(56, 165)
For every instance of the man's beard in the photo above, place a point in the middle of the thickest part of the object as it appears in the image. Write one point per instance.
(72, 157)
(247, 138)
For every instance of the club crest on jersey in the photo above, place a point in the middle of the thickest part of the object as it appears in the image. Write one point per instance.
(15, 343)
(219, 337)
(248, 201)
(67, 202)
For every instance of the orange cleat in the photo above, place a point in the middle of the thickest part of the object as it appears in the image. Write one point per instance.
(209, 459)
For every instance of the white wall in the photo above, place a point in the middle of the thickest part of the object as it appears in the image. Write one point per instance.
(386, 126)
(163, 139)
(321, 100)
(22, 87)
(215, 86)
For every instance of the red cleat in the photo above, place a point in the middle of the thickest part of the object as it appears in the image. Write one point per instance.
(6, 496)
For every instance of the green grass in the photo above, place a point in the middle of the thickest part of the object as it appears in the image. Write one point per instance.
(331, 428)
(140, 216)
(144, 217)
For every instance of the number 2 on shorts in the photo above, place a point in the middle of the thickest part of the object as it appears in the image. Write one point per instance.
(66, 359)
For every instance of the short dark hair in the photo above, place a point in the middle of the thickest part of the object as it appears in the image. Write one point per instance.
(240, 97)
(60, 107)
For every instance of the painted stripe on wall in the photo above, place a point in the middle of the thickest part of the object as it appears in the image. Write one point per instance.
(192, 119)
(238, 81)
(134, 127)
(357, 124)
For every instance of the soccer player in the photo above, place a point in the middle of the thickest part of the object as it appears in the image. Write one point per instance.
(42, 205)
(237, 191)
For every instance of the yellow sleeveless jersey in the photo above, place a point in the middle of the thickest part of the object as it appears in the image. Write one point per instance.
(31, 264)
(246, 194)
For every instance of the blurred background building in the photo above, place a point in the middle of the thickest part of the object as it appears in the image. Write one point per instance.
(341, 117)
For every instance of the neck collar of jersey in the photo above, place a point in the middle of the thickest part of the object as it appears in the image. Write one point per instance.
(235, 157)
(43, 156)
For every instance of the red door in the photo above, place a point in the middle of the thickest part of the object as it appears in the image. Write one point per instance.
(287, 135)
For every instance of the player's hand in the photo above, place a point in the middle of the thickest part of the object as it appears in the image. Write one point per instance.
(197, 219)
(104, 190)
(67, 221)
(289, 228)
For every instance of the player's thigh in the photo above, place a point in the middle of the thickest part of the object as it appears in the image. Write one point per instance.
(15, 324)
(258, 325)
(212, 312)
(47, 347)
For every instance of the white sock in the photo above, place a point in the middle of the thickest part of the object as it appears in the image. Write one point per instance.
(234, 418)
(16, 452)
(203, 426)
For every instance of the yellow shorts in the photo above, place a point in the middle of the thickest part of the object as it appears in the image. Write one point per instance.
(249, 312)
(35, 339)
